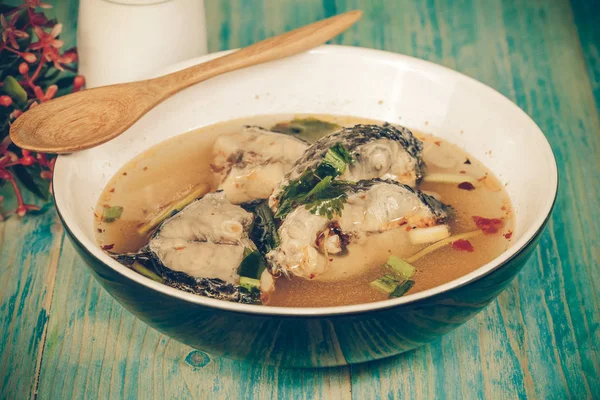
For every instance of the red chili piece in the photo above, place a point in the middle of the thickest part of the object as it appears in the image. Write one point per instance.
(466, 186)
(463, 245)
(488, 225)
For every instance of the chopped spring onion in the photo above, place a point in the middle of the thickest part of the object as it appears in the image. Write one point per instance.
(196, 193)
(110, 214)
(249, 283)
(428, 235)
(386, 283)
(390, 285)
(402, 288)
(141, 269)
(442, 243)
(438, 177)
(338, 157)
(400, 267)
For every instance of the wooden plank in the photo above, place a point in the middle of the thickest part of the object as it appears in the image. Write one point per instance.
(587, 19)
(29, 252)
(538, 340)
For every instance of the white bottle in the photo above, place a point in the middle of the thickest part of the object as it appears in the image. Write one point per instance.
(127, 40)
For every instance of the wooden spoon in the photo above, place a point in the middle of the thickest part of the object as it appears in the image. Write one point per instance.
(91, 117)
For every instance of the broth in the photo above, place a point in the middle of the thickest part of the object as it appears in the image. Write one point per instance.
(168, 171)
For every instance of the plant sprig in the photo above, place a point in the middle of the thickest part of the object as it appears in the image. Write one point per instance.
(317, 189)
(33, 69)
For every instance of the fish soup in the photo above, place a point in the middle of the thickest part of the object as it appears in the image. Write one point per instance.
(304, 211)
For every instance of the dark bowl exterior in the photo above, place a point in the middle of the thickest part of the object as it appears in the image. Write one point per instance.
(307, 341)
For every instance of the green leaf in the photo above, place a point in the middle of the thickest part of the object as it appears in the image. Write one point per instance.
(295, 191)
(386, 284)
(66, 81)
(309, 129)
(327, 207)
(316, 189)
(320, 187)
(51, 75)
(327, 198)
(15, 90)
(249, 283)
(252, 265)
(5, 8)
(8, 63)
(400, 267)
(402, 288)
(110, 214)
(30, 178)
(338, 157)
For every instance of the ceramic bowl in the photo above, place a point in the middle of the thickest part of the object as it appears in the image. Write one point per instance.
(333, 80)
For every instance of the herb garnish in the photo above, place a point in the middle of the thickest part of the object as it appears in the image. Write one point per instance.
(110, 214)
(317, 188)
(309, 129)
(252, 265)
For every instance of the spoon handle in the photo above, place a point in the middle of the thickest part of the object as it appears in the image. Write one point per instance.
(287, 44)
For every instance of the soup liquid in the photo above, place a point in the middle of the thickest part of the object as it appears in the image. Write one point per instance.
(168, 171)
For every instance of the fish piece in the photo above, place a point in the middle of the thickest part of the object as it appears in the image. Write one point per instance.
(308, 240)
(251, 163)
(204, 240)
(379, 151)
(201, 248)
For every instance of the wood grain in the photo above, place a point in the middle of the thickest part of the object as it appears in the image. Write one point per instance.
(28, 262)
(88, 118)
(538, 340)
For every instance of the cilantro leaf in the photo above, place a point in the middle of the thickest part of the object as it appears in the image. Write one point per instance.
(317, 189)
(327, 198)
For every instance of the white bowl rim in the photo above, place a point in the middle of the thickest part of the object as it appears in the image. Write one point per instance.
(526, 238)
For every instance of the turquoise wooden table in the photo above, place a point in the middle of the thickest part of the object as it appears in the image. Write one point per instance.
(62, 336)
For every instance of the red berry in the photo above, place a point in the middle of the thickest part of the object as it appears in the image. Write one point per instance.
(78, 82)
(29, 57)
(23, 68)
(27, 161)
(50, 92)
(5, 175)
(16, 114)
(39, 93)
(5, 101)
(21, 211)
